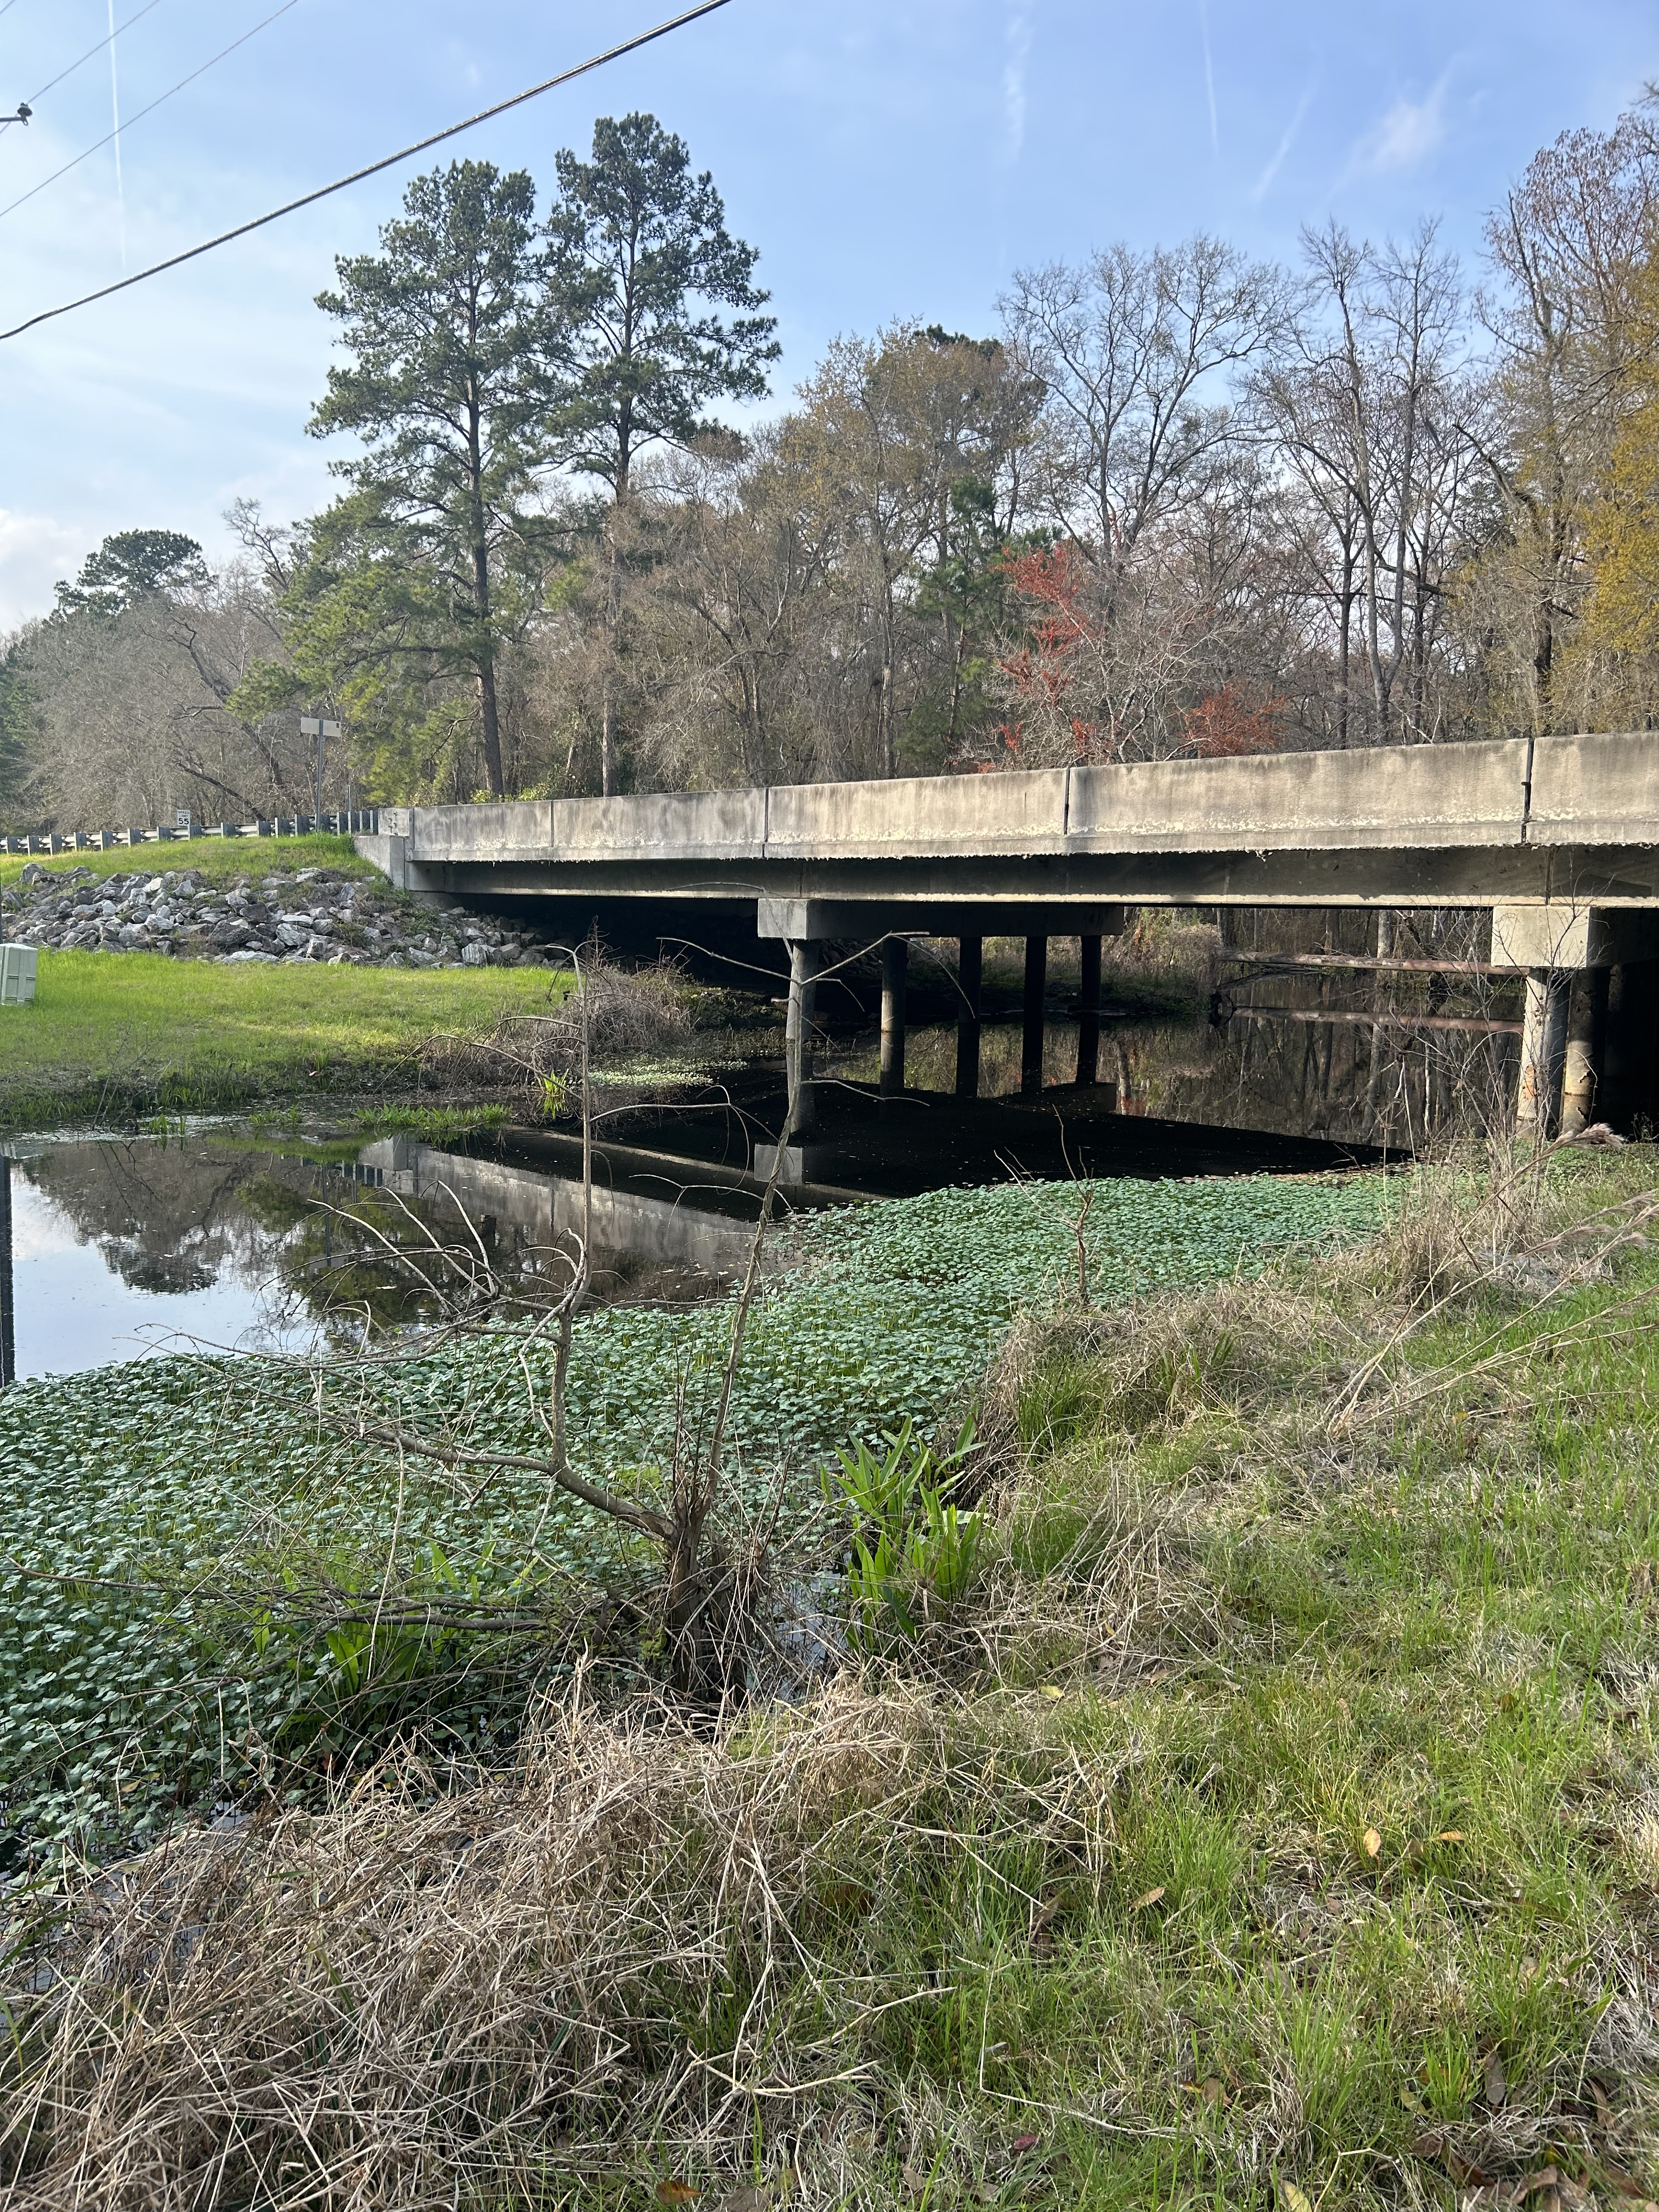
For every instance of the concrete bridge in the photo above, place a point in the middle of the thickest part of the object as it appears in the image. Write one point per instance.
(1557, 837)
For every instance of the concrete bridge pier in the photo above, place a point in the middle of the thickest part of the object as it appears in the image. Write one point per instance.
(894, 963)
(1088, 1020)
(1037, 981)
(970, 968)
(804, 960)
(1544, 1050)
(1588, 1050)
(800, 923)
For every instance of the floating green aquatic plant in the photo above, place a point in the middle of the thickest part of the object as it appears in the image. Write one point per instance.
(133, 1499)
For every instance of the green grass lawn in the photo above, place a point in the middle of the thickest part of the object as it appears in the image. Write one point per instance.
(216, 859)
(110, 1034)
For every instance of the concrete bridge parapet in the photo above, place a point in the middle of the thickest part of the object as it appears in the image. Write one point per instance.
(1424, 797)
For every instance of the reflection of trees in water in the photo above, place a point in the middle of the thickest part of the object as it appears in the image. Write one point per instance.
(165, 1217)
(169, 1217)
(353, 1253)
(324, 1251)
(1364, 1082)
(1293, 1079)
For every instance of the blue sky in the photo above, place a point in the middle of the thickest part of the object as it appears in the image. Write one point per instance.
(889, 157)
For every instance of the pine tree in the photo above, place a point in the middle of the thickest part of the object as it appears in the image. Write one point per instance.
(640, 263)
(450, 386)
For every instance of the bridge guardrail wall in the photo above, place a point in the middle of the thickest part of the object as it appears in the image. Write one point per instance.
(1595, 790)
(1472, 794)
(496, 829)
(693, 826)
(930, 816)
(1592, 791)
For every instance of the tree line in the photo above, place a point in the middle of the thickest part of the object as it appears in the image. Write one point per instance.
(1182, 501)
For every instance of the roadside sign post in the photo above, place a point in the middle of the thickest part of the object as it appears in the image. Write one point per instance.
(313, 726)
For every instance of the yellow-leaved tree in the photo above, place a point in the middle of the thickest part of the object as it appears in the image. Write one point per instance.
(1622, 617)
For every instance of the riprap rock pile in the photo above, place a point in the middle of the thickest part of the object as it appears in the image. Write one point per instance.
(312, 914)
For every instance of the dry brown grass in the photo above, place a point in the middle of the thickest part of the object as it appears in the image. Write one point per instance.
(407, 2002)
(631, 1014)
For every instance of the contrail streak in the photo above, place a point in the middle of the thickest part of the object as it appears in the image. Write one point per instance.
(1259, 190)
(1209, 77)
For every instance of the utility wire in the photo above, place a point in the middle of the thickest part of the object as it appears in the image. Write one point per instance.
(87, 152)
(6, 121)
(565, 77)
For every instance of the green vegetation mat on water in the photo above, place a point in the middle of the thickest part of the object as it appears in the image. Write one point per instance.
(134, 1500)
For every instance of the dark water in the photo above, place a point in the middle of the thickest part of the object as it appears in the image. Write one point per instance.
(1292, 1032)
(1283, 1057)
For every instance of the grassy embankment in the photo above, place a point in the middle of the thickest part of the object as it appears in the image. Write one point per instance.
(113, 1035)
(110, 1035)
(216, 859)
(1278, 1822)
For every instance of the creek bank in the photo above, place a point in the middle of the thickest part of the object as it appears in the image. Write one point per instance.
(108, 1039)
(1273, 1827)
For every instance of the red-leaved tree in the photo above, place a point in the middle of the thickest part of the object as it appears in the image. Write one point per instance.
(1226, 723)
(1059, 645)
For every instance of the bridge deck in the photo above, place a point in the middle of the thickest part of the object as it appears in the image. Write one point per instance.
(1573, 818)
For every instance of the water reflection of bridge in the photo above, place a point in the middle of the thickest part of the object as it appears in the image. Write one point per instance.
(198, 1215)
(632, 1229)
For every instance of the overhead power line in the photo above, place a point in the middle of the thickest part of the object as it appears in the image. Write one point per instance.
(160, 99)
(108, 40)
(404, 154)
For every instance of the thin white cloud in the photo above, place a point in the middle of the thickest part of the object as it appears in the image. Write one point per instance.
(1014, 79)
(35, 552)
(1406, 135)
(1263, 184)
(1209, 78)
